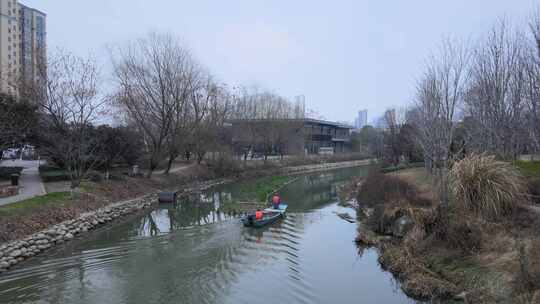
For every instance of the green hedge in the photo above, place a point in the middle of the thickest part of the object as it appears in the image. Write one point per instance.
(5, 172)
(53, 174)
(402, 167)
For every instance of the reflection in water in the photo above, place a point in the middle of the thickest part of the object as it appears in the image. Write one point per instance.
(192, 253)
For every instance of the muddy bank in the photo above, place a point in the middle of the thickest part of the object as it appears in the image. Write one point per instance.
(442, 254)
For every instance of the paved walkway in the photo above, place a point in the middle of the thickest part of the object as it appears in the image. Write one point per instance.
(30, 184)
(178, 167)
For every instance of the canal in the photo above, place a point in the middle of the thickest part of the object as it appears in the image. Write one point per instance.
(192, 253)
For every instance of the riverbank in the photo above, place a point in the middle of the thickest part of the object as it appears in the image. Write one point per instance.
(28, 232)
(190, 242)
(445, 255)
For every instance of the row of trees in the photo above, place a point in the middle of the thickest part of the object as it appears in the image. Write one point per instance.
(494, 85)
(481, 96)
(180, 110)
(267, 123)
(167, 104)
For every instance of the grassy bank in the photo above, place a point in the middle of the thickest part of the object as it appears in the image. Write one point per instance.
(50, 200)
(260, 189)
(530, 169)
(451, 253)
(254, 194)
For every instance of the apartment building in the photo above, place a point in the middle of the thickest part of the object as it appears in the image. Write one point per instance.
(22, 44)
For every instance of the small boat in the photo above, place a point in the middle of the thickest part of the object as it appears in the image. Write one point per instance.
(281, 208)
(270, 215)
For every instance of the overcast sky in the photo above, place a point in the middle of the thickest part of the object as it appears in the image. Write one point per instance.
(342, 55)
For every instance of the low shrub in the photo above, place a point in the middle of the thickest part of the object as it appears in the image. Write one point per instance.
(402, 166)
(486, 186)
(462, 234)
(6, 172)
(528, 278)
(47, 168)
(533, 184)
(374, 220)
(524, 221)
(379, 188)
(95, 176)
(54, 176)
(224, 166)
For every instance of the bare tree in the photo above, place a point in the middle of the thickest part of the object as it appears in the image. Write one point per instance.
(266, 123)
(391, 136)
(495, 98)
(208, 133)
(196, 89)
(67, 91)
(154, 78)
(440, 93)
(532, 83)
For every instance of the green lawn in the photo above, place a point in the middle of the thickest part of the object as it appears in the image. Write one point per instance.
(27, 206)
(529, 168)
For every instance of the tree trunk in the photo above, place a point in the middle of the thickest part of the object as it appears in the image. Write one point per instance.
(153, 166)
(172, 157)
(200, 156)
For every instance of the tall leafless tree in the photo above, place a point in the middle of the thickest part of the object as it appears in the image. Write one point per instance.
(155, 79)
(266, 122)
(439, 96)
(208, 132)
(532, 83)
(495, 99)
(67, 92)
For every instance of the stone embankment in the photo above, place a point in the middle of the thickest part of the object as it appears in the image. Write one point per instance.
(325, 166)
(15, 252)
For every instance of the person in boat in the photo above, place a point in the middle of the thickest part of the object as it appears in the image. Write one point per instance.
(276, 200)
(258, 214)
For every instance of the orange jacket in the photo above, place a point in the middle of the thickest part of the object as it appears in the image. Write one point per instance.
(258, 215)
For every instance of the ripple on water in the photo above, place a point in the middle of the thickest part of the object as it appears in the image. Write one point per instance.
(169, 257)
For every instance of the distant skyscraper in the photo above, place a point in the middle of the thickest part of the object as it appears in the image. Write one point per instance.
(22, 44)
(361, 120)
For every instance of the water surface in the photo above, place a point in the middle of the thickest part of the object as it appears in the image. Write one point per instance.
(191, 253)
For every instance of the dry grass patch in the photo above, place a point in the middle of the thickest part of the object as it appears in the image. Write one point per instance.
(488, 187)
